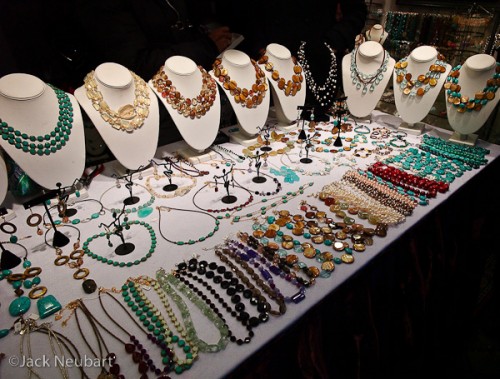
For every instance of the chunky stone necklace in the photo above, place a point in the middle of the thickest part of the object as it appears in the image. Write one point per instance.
(249, 98)
(195, 107)
(128, 117)
(290, 87)
(325, 93)
(481, 98)
(420, 85)
(367, 81)
(43, 144)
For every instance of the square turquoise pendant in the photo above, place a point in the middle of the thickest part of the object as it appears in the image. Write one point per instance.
(48, 305)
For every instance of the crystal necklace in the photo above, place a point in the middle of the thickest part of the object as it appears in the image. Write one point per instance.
(465, 103)
(367, 81)
(128, 117)
(43, 144)
(249, 98)
(324, 94)
(195, 107)
(420, 85)
(290, 87)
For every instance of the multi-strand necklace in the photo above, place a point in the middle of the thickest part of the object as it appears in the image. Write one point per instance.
(246, 97)
(128, 117)
(290, 87)
(420, 85)
(481, 98)
(49, 143)
(192, 108)
(325, 93)
(367, 82)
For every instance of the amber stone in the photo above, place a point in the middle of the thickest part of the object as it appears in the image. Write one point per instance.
(258, 233)
(287, 238)
(270, 233)
(406, 91)
(451, 99)
(326, 230)
(300, 224)
(347, 258)
(273, 246)
(291, 259)
(359, 247)
(297, 217)
(490, 95)
(399, 78)
(448, 85)
(282, 221)
(249, 103)
(284, 213)
(311, 224)
(297, 69)
(404, 64)
(341, 235)
(327, 256)
(320, 214)
(297, 231)
(287, 245)
(368, 241)
(281, 83)
(318, 239)
(295, 89)
(310, 214)
(338, 246)
(315, 230)
(309, 252)
(313, 272)
(408, 77)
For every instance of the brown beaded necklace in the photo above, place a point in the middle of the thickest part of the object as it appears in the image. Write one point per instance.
(195, 107)
(249, 98)
(290, 87)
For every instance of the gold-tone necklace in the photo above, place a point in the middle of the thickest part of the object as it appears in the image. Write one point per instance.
(195, 107)
(290, 87)
(128, 117)
(249, 98)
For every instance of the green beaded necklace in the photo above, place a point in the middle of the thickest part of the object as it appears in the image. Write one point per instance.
(152, 319)
(43, 144)
(191, 241)
(111, 262)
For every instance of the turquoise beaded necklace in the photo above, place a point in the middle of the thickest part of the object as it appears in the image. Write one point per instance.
(43, 144)
(114, 263)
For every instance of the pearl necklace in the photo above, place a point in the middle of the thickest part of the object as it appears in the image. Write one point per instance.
(195, 107)
(324, 94)
(128, 117)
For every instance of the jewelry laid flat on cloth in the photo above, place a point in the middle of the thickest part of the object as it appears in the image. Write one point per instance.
(194, 107)
(128, 117)
(246, 97)
(325, 93)
(290, 87)
(46, 144)
(367, 82)
(481, 98)
(420, 85)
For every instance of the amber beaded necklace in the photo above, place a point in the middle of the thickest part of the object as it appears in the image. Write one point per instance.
(249, 98)
(290, 87)
(192, 108)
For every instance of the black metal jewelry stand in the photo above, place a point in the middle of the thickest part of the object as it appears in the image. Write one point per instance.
(339, 109)
(265, 132)
(124, 248)
(168, 173)
(227, 178)
(131, 200)
(306, 159)
(258, 164)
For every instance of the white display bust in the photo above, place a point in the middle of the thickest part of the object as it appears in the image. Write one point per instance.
(116, 84)
(280, 58)
(241, 70)
(412, 109)
(31, 107)
(4, 184)
(369, 59)
(199, 132)
(377, 33)
(474, 74)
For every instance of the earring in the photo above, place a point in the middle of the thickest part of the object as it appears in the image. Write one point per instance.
(9, 228)
(34, 220)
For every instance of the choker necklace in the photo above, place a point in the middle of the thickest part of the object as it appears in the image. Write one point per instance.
(324, 94)
(423, 83)
(290, 87)
(195, 107)
(367, 81)
(464, 103)
(43, 144)
(249, 98)
(128, 117)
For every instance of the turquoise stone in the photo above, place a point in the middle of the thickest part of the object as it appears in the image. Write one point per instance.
(4, 332)
(48, 305)
(19, 306)
(145, 212)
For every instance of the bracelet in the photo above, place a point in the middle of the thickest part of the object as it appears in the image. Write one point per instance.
(178, 192)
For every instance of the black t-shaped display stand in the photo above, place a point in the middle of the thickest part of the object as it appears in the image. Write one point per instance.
(227, 179)
(116, 228)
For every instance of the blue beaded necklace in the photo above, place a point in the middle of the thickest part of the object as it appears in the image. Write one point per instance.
(43, 144)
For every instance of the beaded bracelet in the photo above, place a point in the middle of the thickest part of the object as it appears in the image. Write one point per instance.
(142, 210)
(75, 221)
(178, 192)
(300, 167)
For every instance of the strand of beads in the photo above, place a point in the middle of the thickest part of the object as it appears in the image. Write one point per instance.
(429, 166)
(473, 156)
